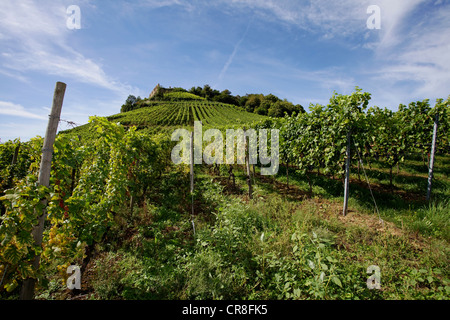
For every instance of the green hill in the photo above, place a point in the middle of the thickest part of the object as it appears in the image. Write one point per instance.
(181, 96)
(184, 113)
(178, 109)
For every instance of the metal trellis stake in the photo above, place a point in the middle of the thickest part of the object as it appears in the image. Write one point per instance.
(347, 175)
(433, 151)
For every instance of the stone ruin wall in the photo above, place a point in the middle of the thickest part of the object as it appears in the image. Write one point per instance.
(159, 90)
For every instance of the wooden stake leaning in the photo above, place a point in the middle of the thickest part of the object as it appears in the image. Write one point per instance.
(27, 292)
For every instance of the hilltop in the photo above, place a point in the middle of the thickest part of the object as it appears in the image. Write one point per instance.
(267, 105)
(166, 108)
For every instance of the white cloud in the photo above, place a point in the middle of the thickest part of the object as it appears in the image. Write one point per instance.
(411, 47)
(16, 110)
(394, 15)
(26, 19)
(155, 4)
(417, 52)
(35, 38)
(329, 19)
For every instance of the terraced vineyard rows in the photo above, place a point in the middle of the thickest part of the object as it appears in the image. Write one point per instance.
(185, 113)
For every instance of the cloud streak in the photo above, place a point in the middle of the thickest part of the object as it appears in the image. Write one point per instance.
(16, 110)
(154, 4)
(330, 19)
(231, 57)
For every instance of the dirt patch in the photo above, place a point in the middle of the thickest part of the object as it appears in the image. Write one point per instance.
(86, 287)
(291, 191)
(408, 196)
(371, 222)
(332, 210)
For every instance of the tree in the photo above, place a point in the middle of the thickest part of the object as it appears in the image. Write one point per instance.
(197, 91)
(279, 108)
(271, 98)
(226, 97)
(276, 110)
(298, 108)
(242, 100)
(253, 102)
(261, 110)
(131, 100)
(130, 103)
(207, 92)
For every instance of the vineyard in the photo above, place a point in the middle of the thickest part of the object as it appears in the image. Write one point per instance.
(185, 113)
(167, 115)
(117, 207)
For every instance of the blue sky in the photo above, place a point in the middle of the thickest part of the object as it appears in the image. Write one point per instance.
(295, 49)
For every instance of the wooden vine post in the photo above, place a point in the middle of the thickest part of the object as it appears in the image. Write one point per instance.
(192, 179)
(347, 175)
(27, 291)
(433, 151)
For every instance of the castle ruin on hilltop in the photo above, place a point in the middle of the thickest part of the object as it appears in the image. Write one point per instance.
(159, 91)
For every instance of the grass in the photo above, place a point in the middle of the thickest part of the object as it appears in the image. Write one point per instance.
(289, 242)
(284, 244)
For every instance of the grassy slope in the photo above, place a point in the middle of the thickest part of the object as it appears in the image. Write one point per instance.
(284, 244)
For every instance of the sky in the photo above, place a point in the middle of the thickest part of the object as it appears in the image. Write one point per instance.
(299, 50)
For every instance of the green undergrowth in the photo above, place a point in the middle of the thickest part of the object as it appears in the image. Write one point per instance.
(283, 244)
(270, 247)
